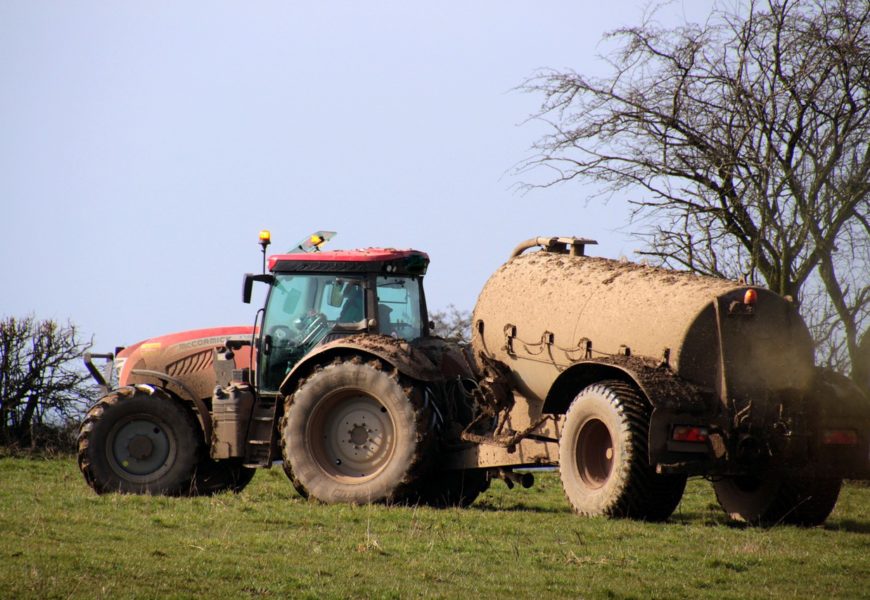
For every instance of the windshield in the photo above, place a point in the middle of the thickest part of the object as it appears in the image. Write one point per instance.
(399, 309)
(301, 311)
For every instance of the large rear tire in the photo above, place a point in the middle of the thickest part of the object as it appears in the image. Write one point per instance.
(603, 457)
(139, 440)
(355, 434)
(773, 500)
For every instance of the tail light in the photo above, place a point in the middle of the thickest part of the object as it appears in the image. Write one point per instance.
(840, 437)
(689, 433)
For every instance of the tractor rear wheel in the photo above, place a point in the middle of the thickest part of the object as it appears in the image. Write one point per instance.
(354, 433)
(603, 457)
(139, 440)
(772, 500)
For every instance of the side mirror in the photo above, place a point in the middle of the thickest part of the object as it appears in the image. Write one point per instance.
(336, 294)
(248, 285)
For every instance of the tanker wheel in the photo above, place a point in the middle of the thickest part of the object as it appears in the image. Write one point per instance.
(603, 457)
(139, 440)
(445, 489)
(215, 476)
(773, 500)
(353, 433)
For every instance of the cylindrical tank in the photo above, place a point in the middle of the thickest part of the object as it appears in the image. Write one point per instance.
(543, 312)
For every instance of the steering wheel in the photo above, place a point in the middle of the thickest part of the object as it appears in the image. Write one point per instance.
(312, 325)
(280, 335)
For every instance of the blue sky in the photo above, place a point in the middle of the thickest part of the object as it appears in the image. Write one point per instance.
(143, 145)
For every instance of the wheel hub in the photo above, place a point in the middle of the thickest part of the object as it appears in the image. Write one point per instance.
(140, 447)
(595, 453)
(359, 435)
(356, 436)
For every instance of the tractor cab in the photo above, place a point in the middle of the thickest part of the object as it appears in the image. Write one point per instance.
(317, 297)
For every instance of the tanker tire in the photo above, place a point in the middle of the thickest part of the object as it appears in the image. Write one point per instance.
(603, 457)
(451, 489)
(352, 433)
(216, 476)
(139, 440)
(778, 500)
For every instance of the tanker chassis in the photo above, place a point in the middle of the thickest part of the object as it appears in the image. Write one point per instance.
(628, 378)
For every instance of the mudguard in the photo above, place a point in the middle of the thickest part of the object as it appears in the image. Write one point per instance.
(427, 359)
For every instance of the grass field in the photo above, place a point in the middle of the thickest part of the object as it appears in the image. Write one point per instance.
(59, 540)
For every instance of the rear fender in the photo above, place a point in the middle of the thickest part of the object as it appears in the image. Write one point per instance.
(425, 360)
(659, 385)
(673, 400)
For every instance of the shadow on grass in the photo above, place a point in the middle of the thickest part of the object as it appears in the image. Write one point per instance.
(721, 520)
(849, 525)
(484, 506)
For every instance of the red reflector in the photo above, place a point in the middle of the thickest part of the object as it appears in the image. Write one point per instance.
(689, 433)
(840, 437)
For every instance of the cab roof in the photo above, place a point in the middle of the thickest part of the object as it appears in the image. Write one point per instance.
(388, 260)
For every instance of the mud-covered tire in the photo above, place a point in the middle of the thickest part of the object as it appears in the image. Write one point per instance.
(216, 476)
(449, 489)
(139, 440)
(354, 433)
(774, 500)
(288, 470)
(603, 457)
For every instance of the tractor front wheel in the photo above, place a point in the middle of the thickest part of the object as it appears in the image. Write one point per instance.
(139, 440)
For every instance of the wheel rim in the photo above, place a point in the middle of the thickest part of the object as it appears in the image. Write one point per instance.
(594, 453)
(352, 436)
(140, 448)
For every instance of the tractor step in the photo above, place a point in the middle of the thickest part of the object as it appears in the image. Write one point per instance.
(258, 450)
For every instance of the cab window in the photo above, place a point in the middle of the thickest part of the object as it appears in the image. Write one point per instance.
(399, 310)
(301, 311)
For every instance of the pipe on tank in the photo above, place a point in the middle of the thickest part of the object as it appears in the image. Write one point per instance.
(561, 245)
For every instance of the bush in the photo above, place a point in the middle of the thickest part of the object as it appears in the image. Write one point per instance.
(42, 390)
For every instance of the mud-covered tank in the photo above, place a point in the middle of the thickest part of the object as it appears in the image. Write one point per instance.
(650, 375)
(544, 311)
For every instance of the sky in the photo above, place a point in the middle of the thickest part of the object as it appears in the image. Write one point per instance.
(143, 146)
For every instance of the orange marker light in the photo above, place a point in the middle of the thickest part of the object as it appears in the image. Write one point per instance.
(750, 297)
(265, 236)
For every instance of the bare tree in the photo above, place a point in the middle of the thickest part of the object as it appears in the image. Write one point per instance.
(749, 136)
(452, 324)
(39, 388)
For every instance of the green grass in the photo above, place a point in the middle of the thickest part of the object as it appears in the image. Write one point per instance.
(58, 539)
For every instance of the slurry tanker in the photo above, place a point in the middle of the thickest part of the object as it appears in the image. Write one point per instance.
(628, 378)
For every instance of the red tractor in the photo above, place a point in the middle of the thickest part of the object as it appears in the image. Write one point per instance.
(346, 336)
